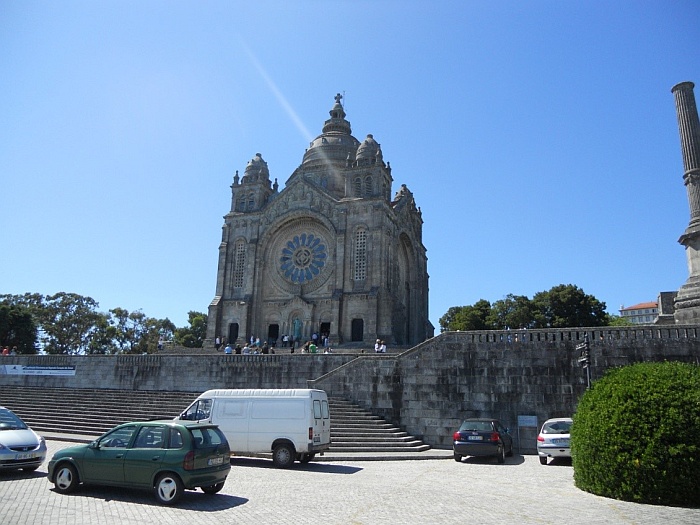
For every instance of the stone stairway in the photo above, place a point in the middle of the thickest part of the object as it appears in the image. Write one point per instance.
(354, 429)
(93, 412)
(89, 412)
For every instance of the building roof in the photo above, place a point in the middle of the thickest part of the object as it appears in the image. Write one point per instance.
(641, 306)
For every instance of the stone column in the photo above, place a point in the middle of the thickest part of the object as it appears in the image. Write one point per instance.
(688, 299)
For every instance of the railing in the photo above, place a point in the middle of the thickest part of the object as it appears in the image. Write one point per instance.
(602, 333)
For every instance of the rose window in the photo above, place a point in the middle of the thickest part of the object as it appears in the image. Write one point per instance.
(303, 258)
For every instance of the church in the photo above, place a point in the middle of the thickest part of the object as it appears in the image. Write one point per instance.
(332, 254)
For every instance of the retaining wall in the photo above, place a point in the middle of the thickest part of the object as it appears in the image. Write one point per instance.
(520, 377)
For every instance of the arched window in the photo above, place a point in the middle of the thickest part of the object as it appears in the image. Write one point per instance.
(360, 255)
(251, 202)
(369, 190)
(357, 189)
(239, 265)
(240, 203)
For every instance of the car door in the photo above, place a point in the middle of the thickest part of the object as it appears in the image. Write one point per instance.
(104, 462)
(145, 456)
(505, 437)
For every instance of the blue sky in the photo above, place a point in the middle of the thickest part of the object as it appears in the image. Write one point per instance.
(539, 138)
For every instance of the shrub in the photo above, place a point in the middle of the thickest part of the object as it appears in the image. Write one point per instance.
(636, 435)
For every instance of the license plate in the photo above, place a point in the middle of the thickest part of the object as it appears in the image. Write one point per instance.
(561, 441)
(475, 438)
(216, 461)
(26, 455)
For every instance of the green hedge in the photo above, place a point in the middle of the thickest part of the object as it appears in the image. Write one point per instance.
(636, 435)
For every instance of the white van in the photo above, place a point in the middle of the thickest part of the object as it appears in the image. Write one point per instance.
(290, 423)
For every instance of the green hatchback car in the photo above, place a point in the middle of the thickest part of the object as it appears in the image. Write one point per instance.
(164, 456)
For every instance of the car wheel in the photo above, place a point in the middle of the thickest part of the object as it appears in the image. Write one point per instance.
(501, 454)
(305, 458)
(458, 458)
(510, 451)
(213, 489)
(66, 478)
(168, 489)
(543, 460)
(283, 456)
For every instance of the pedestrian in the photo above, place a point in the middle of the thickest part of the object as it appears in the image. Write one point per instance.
(238, 349)
(376, 346)
(313, 347)
(228, 349)
(382, 347)
(265, 348)
(218, 343)
(6, 351)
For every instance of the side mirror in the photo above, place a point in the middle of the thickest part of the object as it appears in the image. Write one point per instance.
(94, 445)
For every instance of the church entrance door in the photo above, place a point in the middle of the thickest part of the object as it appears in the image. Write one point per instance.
(357, 330)
(273, 333)
(232, 333)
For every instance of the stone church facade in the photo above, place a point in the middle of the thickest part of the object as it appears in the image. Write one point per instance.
(333, 253)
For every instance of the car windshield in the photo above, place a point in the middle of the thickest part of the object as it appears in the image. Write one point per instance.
(557, 427)
(9, 421)
(480, 426)
(198, 410)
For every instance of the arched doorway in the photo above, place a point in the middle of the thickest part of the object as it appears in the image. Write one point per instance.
(232, 333)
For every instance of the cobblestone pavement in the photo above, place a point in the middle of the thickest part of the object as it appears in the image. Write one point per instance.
(354, 492)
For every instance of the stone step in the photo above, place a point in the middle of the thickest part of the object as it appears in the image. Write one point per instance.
(378, 448)
(373, 439)
(364, 430)
(93, 412)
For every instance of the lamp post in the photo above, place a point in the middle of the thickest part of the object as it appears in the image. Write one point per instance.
(585, 358)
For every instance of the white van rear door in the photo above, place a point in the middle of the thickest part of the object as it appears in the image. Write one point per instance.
(321, 422)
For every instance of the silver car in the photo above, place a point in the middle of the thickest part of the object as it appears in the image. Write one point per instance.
(553, 440)
(20, 446)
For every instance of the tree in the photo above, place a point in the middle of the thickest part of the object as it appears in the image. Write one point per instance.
(564, 306)
(515, 311)
(17, 329)
(567, 306)
(466, 317)
(616, 320)
(103, 337)
(156, 330)
(68, 320)
(193, 337)
(129, 329)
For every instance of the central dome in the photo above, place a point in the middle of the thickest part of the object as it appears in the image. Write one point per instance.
(335, 145)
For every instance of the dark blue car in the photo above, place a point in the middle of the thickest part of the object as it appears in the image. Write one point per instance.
(482, 437)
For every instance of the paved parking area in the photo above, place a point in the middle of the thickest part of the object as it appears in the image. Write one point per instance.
(361, 492)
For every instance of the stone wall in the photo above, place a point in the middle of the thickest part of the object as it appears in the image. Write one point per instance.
(520, 377)
(185, 372)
